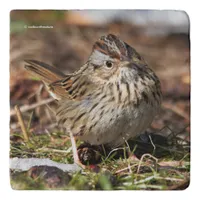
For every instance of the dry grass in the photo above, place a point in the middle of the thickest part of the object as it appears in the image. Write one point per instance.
(171, 171)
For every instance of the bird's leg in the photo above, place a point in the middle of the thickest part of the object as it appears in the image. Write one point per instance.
(74, 150)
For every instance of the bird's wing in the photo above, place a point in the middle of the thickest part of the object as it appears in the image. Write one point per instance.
(75, 86)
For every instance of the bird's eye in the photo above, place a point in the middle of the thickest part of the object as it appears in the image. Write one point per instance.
(109, 64)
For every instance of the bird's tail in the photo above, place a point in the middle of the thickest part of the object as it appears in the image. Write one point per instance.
(48, 75)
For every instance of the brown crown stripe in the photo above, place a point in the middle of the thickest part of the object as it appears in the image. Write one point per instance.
(123, 47)
(103, 48)
(120, 44)
(103, 45)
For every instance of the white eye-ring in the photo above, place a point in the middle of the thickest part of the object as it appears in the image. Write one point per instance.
(109, 64)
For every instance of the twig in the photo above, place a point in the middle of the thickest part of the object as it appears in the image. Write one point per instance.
(30, 107)
(146, 186)
(116, 149)
(147, 179)
(154, 147)
(142, 158)
(172, 163)
(157, 178)
(45, 149)
(21, 123)
(35, 93)
(129, 149)
(128, 161)
(124, 169)
(187, 154)
(30, 120)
